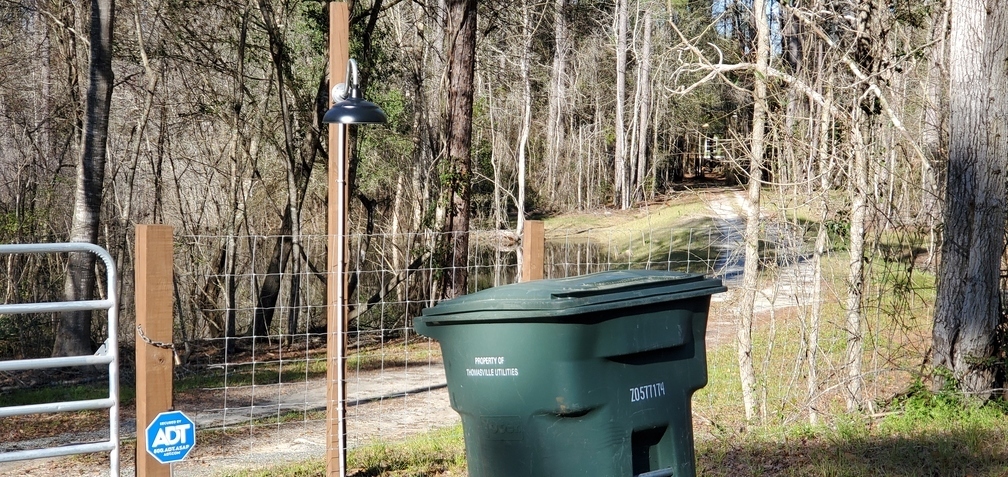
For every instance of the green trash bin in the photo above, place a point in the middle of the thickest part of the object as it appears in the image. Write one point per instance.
(584, 376)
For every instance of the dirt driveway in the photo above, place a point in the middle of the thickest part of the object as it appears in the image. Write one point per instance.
(385, 405)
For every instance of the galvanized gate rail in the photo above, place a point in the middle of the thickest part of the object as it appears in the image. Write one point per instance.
(107, 354)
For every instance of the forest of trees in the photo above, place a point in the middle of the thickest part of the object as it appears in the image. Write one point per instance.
(860, 111)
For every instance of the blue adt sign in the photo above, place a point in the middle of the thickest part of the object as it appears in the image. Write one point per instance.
(170, 437)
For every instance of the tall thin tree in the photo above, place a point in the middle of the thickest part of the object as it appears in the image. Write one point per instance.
(73, 334)
(461, 36)
(620, 186)
(555, 132)
(744, 320)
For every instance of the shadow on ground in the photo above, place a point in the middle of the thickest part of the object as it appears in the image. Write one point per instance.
(966, 452)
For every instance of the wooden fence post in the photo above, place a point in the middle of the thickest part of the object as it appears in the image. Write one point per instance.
(339, 55)
(154, 364)
(533, 250)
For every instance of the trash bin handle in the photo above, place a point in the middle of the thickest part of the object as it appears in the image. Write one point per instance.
(421, 327)
(646, 285)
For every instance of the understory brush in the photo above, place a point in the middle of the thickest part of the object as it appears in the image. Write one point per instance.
(919, 433)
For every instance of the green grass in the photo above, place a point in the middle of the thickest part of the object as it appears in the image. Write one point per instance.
(896, 329)
(674, 232)
(429, 454)
(928, 435)
(918, 439)
(439, 452)
(79, 392)
(916, 434)
(258, 373)
(314, 367)
(856, 452)
(378, 357)
(37, 425)
(310, 468)
(632, 221)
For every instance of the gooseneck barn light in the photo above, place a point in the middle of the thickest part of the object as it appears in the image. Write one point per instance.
(348, 108)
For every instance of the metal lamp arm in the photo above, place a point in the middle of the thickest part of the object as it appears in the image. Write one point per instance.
(351, 73)
(348, 88)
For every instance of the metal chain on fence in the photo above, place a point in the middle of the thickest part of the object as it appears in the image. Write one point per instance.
(159, 344)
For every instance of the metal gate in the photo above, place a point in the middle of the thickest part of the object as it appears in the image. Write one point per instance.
(107, 354)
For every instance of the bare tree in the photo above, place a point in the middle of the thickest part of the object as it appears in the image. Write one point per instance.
(73, 335)
(461, 33)
(621, 187)
(934, 130)
(298, 163)
(643, 104)
(744, 319)
(526, 117)
(855, 282)
(558, 101)
(822, 236)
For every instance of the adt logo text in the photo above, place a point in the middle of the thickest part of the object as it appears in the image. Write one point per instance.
(171, 435)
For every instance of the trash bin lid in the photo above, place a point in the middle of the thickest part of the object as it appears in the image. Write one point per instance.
(574, 296)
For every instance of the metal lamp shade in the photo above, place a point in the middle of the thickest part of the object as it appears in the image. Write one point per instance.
(355, 111)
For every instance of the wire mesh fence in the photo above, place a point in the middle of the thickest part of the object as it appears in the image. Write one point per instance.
(251, 321)
(253, 326)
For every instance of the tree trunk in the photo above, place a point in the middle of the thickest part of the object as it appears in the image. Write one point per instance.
(855, 281)
(73, 333)
(934, 130)
(461, 34)
(812, 338)
(499, 211)
(621, 189)
(644, 109)
(237, 153)
(752, 232)
(967, 308)
(298, 162)
(555, 133)
(526, 119)
(269, 290)
(295, 171)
